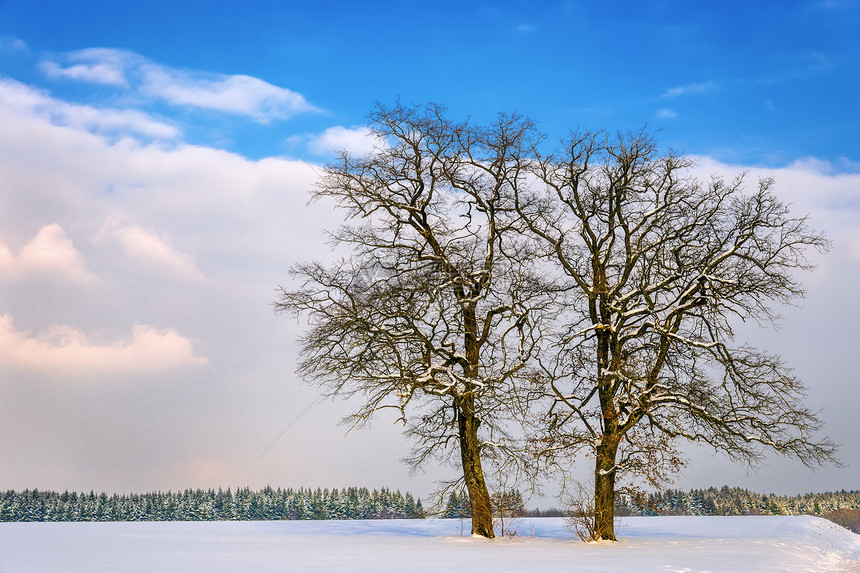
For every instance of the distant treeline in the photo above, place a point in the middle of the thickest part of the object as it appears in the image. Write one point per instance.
(360, 503)
(837, 506)
(735, 501)
(208, 505)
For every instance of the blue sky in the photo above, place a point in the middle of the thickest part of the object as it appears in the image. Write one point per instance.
(761, 83)
(148, 212)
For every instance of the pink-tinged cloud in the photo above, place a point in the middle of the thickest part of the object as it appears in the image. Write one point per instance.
(49, 254)
(146, 247)
(67, 352)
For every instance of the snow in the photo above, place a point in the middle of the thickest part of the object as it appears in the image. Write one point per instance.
(665, 544)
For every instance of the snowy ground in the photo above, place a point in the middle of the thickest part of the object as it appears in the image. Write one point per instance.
(666, 544)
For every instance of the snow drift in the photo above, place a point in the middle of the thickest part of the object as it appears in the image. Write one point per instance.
(666, 544)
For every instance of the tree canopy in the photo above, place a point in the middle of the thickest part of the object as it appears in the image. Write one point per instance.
(434, 312)
(658, 267)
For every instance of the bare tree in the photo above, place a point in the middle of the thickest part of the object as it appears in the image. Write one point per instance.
(659, 267)
(431, 314)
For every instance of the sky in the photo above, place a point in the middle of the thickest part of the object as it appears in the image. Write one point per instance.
(156, 160)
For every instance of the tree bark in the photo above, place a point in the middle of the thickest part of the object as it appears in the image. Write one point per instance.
(470, 446)
(604, 489)
(470, 453)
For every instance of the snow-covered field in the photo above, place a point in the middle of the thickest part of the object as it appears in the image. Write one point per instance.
(666, 544)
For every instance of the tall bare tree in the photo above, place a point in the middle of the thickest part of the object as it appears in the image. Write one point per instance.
(431, 314)
(659, 267)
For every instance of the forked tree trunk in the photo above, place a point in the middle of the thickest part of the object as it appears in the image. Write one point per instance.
(470, 453)
(604, 489)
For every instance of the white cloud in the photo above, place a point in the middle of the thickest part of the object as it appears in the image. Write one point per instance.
(689, 89)
(214, 203)
(99, 74)
(11, 45)
(244, 95)
(239, 94)
(810, 184)
(96, 65)
(21, 99)
(357, 140)
(666, 113)
(814, 188)
(69, 352)
(145, 246)
(49, 254)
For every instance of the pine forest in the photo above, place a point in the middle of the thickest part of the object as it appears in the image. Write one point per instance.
(207, 505)
(270, 504)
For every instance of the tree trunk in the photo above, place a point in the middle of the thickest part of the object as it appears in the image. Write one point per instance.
(470, 452)
(604, 489)
(470, 447)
